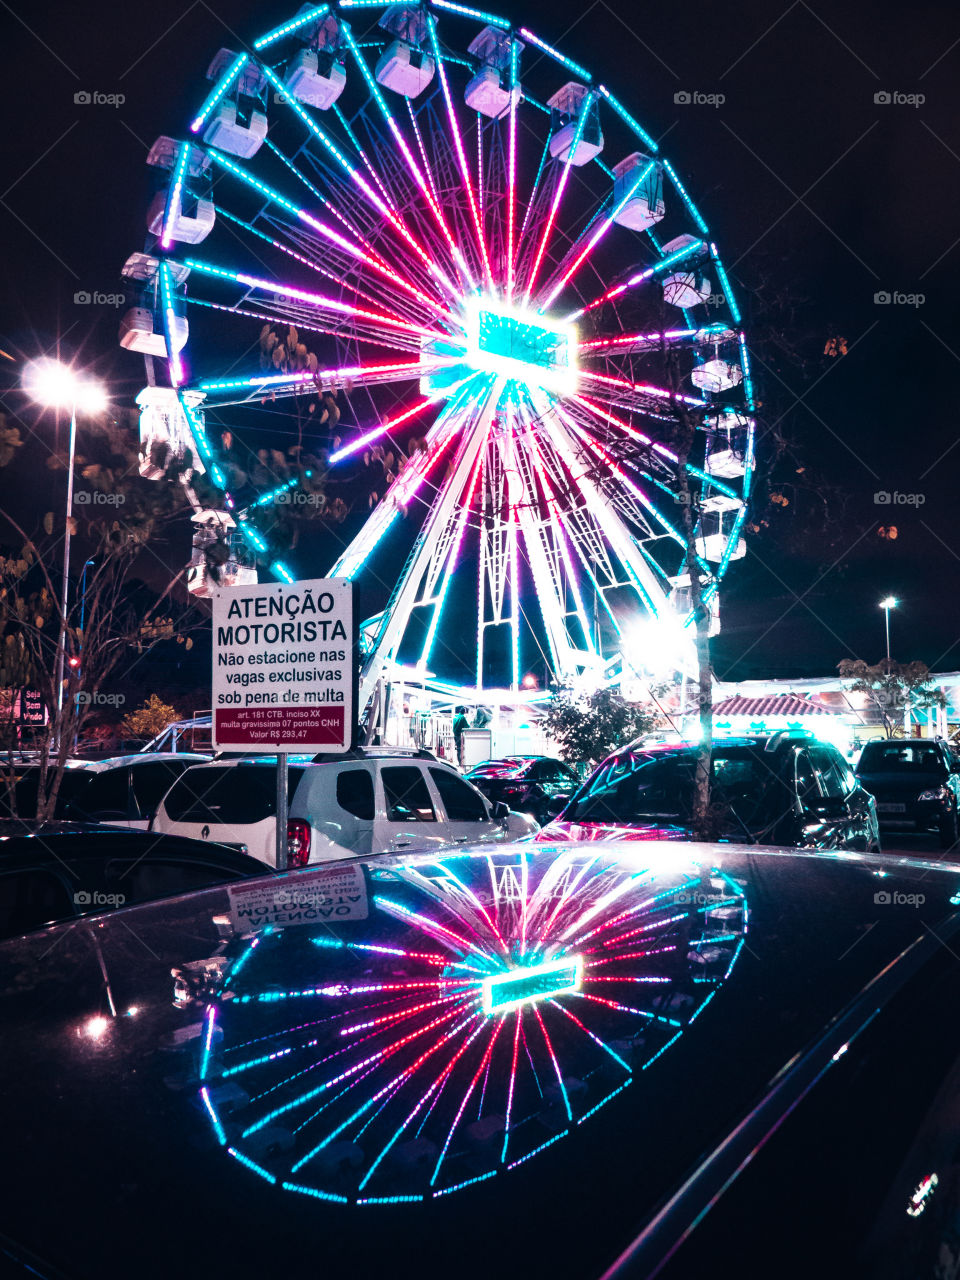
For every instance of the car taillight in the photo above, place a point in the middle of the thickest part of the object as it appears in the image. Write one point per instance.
(298, 842)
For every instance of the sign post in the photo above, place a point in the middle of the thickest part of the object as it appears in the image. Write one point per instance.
(284, 674)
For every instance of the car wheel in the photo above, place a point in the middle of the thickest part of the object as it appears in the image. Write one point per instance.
(948, 829)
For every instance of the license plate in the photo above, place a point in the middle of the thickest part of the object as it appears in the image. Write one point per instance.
(891, 808)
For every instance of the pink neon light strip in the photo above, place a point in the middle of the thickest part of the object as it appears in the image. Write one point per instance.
(383, 428)
(461, 154)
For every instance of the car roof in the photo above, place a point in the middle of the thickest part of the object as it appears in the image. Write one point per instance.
(138, 758)
(253, 1147)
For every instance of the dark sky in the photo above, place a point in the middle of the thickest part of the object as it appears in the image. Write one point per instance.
(806, 179)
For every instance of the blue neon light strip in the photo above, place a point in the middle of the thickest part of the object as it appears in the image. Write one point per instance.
(593, 1110)
(294, 24)
(312, 1191)
(489, 18)
(692, 208)
(542, 1147)
(211, 1111)
(575, 67)
(725, 285)
(625, 115)
(217, 92)
(252, 1165)
(174, 191)
(482, 1177)
(280, 570)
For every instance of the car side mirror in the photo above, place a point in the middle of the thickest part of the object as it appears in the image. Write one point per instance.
(557, 804)
(500, 811)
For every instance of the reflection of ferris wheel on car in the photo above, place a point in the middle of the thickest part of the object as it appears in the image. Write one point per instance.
(426, 194)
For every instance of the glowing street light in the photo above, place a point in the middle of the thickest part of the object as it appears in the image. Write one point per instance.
(886, 604)
(55, 385)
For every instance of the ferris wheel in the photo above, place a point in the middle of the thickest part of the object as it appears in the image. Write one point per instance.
(505, 283)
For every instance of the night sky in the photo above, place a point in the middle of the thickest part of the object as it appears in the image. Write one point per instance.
(820, 198)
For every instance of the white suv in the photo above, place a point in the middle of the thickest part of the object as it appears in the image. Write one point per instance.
(377, 801)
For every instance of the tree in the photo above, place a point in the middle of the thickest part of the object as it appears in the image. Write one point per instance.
(106, 625)
(892, 689)
(149, 720)
(587, 727)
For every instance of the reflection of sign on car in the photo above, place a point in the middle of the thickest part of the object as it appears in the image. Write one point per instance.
(331, 893)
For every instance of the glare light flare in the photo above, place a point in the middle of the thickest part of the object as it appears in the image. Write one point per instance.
(56, 385)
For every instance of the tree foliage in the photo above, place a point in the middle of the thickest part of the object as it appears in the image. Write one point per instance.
(587, 727)
(149, 720)
(892, 689)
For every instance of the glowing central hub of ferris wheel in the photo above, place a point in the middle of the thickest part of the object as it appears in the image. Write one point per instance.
(524, 346)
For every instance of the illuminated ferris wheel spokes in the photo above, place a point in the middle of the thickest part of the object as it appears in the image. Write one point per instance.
(486, 1006)
(441, 221)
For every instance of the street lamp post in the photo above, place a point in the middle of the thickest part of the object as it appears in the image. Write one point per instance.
(55, 385)
(888, 603)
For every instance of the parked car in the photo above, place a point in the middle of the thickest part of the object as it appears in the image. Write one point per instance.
(528, 784)
(916, 784)
(365, 802)
(125, 790)
(681, 1060)
(63, 870)
(782, 788)
(20, 784)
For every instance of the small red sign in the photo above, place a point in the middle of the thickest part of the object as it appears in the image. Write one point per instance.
(258, 726)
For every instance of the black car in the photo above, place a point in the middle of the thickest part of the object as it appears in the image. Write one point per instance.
(916, 784)
(65, 870)
(526, 784)
(603, 1060)
(781, 788)
(20, 785)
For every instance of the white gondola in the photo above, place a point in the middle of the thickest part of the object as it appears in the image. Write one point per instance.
(227, 133)
(235, 564)
(141, 330)
(185, 228)
(716, 526)
(638, 200)
(315, 79)
(165, 435)
(717, 375)
(726, 464)
(405, 70)
(680, 599)
(569, 103)
(486, 92)
(687, 286)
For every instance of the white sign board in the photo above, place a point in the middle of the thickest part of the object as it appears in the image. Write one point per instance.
(328, 894)
(283, 666)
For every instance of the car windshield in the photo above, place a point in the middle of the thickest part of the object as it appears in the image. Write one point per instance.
(364, 1056)
(896, 757)
(643, 787)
